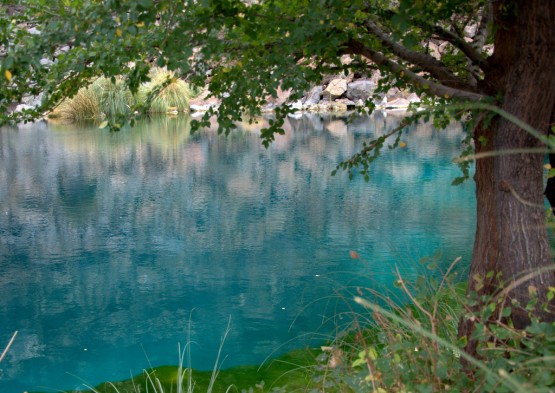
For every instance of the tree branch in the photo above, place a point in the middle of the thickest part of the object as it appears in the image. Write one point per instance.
(435, 67)
(454, 39)
(474, 55)
(440, 90)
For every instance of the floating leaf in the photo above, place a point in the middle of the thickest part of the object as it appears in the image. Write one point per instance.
(104, 124)
(402, 144)
(354, 254)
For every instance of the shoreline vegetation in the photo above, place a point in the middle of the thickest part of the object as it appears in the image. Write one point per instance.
(389, 347)
(165, 93)
(107, 98)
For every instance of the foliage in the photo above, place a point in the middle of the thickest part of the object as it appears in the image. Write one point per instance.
(245, 52)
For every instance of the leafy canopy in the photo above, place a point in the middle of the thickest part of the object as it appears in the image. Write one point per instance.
(245, 51)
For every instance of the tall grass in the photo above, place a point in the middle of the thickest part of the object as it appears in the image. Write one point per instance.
(113, 95)
(165, 92)
(83, 106)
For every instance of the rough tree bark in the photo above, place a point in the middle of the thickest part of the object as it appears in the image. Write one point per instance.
(511, 236)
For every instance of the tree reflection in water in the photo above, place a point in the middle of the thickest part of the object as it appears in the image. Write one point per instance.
(109, 240)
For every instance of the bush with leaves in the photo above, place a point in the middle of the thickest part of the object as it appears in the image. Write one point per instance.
(415, 348)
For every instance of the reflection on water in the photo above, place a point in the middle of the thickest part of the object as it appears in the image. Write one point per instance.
(108, 241)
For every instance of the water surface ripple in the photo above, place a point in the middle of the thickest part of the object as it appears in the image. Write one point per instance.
(110, 242)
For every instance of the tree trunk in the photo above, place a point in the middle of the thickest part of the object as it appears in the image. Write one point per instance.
(511, 236)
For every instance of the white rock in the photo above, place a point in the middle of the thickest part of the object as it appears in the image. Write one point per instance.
(200, 108)
(398, 103)
(63, 49)
(297, 105)
(313, 96)
(335, 89)
(268, 108)
(360, 90)
(33, 31)
(46, 62)
(413, 97)
(22, 107)
(32, 101)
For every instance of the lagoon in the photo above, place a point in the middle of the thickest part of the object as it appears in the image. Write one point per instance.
(111, 243)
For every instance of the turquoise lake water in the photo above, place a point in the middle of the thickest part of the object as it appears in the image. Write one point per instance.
(111, 242)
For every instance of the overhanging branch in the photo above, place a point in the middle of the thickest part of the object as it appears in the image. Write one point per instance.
(435, 67)
(473, 55)
(439, 90)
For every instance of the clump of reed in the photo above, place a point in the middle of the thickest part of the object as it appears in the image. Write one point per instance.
(113, 95)
(83, 106)
(165, 92)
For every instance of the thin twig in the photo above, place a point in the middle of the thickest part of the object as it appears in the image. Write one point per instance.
(443, 282)
(505, 292)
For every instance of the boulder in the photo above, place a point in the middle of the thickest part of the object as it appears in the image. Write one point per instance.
(22, 107)
(337, 106)
(360, 90)
(32, 101)
(381, 101)
(313, 96)
(398, 103)
(312, 108)
(268, 108)
(296, 106)
(350, 104)
(413, 97)
(335, 89)
(199, 108)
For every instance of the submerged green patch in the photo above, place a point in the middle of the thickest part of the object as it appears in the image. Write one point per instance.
(292, 371)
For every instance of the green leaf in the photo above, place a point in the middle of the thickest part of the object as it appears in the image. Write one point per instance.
(145, 3)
